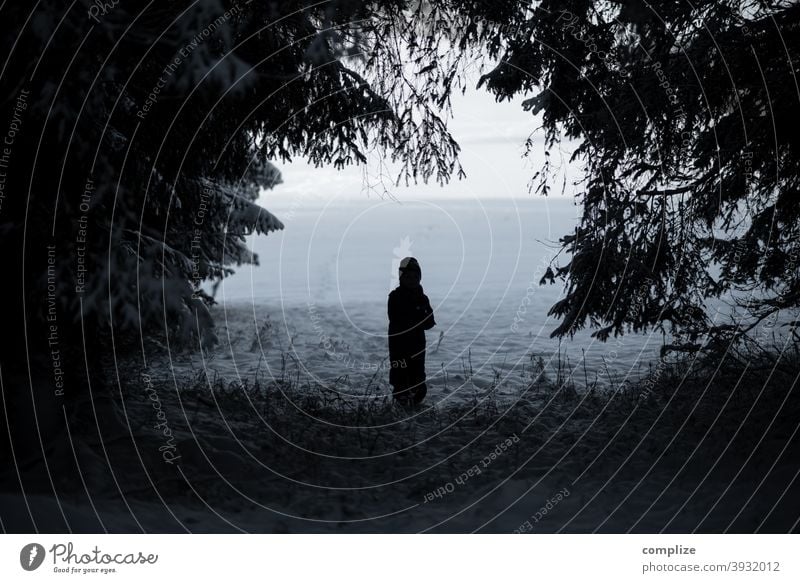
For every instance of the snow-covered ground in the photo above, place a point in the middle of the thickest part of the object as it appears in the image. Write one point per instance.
(271, 434)
(286, 425)
(320, 292)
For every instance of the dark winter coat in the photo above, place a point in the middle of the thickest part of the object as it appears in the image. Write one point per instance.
(410, 314)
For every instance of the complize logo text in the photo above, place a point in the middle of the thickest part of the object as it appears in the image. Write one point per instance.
(31, 556)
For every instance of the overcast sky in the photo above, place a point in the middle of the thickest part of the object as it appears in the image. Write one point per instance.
(492, 137)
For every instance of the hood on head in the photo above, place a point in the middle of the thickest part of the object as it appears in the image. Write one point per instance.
(410, 264)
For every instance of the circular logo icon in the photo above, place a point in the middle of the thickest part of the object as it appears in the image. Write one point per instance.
(31, 556)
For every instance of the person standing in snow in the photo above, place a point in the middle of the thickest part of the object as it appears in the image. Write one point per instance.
(410, 314)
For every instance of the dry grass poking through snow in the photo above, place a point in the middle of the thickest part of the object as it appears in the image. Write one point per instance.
(709, 445)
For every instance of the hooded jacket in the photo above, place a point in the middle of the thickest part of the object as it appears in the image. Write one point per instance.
(410, 314)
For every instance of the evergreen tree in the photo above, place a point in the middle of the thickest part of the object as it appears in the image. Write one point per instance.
(147, 133)
(132, 160)
(685, 117)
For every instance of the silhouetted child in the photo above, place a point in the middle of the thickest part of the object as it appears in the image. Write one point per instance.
(410, 314)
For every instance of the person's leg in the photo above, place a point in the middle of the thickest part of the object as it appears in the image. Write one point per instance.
(400, 379)
(418, 379)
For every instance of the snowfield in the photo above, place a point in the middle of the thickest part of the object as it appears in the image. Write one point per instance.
(286, 424)
(265, 434)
